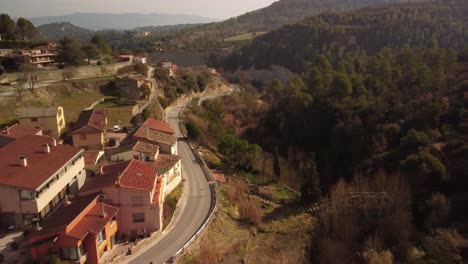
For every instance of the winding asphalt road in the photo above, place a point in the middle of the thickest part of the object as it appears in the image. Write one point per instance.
(193, 207)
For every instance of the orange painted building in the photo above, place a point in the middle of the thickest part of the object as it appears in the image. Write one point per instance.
(81, 231)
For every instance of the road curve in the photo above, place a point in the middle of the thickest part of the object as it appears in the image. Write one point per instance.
(193, 207)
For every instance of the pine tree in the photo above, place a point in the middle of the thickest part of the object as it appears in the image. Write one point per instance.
(310, 190)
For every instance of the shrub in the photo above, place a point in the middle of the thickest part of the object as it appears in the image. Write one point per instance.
(14, 246)
(251, 211)
(163, 101)
(26, 233)
(193, 131)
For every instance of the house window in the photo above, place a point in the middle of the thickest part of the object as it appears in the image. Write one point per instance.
(33, 119)
(69, 253)
(83, 137)
(101, 237)
(138, 217)
(137, 201)
(27, 195)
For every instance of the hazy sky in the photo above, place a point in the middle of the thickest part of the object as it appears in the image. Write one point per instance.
(206, 8)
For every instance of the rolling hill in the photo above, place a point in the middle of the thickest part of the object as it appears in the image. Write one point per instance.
(264, 20)
(56, 31)
(369, 30)
(95, 21)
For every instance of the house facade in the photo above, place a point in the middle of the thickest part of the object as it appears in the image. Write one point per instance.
(41, 56)
(135, 188)
(36, 174)
(155, 134)
(131, 86)
(90, 130)
(51, 120)
(82, 231)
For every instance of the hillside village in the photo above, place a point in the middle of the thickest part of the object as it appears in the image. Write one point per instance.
(74, 193)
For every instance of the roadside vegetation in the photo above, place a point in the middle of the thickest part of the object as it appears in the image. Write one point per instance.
(170, 204)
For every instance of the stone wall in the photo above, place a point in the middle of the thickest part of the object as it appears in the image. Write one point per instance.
(79, 72)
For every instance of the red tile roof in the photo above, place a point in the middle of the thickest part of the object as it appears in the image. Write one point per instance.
(131, 174)
(94, 221)
(80, 217)
(108, 178)
(91, 156)
(157, 191)
(155, 136)
(19, 131)
(219, 177)
(139, 175)
(41, 166)
(68, 213)
(91, 121)
(158, 125)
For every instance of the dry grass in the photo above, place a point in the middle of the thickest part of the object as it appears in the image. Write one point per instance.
(170, 204)
(229, 240)
(117, 114)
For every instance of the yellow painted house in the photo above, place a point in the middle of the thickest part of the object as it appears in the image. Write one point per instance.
(51, 120)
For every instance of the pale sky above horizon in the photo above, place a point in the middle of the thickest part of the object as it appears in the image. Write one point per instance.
(207, 8)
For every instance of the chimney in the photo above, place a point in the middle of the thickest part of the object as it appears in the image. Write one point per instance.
(54, 142)
(101, 170)
(102, 214)
(23, 161)
(38, 226)
(7, 130)
(147, 131)
(46, 148)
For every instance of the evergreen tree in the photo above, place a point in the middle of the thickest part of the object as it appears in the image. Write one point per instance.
(101, 44)
(311, 190)
(70, 52)
(7, 27)
(91, 52)
(26, 29)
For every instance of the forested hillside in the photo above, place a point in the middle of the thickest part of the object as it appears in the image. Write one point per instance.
(378, 105)
(368, 30)
(56, 31)
(264, 20)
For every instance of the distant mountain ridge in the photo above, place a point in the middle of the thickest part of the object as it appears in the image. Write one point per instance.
(101, 21)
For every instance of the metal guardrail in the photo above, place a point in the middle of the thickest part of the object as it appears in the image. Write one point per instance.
(214, 198)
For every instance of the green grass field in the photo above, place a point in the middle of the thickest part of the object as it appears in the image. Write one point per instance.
(245, 36)
(116, 114)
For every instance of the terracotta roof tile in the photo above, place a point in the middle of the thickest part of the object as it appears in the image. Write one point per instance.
(157, 191)
(41, 166)
(139, 175)
(136, 145)
(132, 174)
(108, 178)
(80, 217)
(68, 213)
(155, 136)
(19, 131)
(158, 125)
(91, 121)
(93, 222)
(91, 156)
